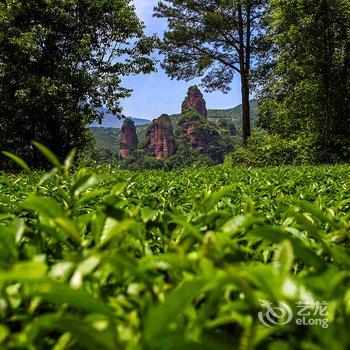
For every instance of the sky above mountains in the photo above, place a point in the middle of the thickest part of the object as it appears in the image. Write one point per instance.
(156, 93)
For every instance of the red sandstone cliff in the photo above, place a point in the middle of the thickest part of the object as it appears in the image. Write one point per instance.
(201, 133)
(195, 136)
(195, 100)
(160, 138)
(128, 139)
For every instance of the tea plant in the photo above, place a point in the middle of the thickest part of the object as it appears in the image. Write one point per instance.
(109, 259)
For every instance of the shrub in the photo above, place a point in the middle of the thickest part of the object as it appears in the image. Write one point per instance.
(265, 149)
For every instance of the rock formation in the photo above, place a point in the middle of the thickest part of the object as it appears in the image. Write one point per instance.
(197, 137)
(201, 133)
(194, 100)
(128, 140)
(160, 138)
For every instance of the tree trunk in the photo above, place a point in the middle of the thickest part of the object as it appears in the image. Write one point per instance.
(327, 73)
(244, 31)
(245, 108)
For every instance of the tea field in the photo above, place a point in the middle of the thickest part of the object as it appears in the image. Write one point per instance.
(105, 258)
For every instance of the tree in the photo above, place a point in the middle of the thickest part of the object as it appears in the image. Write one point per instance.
(213, 39)
(60, 61)
(308, 91)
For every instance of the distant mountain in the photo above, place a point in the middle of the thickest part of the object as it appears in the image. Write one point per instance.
(107, 138)
(112, 121)
(234, 114)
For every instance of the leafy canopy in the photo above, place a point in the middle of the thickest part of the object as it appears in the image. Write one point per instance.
(60, 61)
(308, 90)
(205, 38)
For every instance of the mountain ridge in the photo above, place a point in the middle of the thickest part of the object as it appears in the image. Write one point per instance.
(235, 114)
(112, 121)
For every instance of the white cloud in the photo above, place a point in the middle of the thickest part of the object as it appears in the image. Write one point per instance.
(144, 8)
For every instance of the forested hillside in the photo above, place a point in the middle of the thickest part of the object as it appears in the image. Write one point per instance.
(107, 139)
(235, 114)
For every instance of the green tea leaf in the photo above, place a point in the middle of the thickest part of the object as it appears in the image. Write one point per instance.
(160, 316)
(50, 156)
(59, 294)
(19, 161)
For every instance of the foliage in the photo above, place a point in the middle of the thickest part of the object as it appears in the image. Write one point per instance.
(106, 138)
(235, 114)
(103, 155)
(186, 156)
(105, 258)
(213, 40)
(308, 91)
(217, 135)
(60, 62)
(192, 116)
(265, 149)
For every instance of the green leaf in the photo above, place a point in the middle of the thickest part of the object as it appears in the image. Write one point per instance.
(161, 315)
(43, 205)
(213, 198)
(82, 333)
(83, 183)
(92, 195)
(19, 161)
(149, 214)
(59, 294)
(69, 228)
(50, 156)
(25, 271)
(86, 336)
(190, 230)
(47, 176)
(4, 332)
(302, 252)
(284, 257)
(309, 208)
(68, 162)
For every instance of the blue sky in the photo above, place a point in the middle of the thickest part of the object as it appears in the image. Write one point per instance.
(156, 93)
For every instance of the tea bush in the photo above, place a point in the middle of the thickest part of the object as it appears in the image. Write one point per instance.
(105, 258)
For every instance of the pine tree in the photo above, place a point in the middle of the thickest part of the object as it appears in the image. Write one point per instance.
(214, 40)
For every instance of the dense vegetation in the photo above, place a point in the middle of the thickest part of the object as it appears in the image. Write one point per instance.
(106, 258)
(60, 62)
(306, 88)
(106, 143)
(301, 70)
(214, 40)
(235, 114)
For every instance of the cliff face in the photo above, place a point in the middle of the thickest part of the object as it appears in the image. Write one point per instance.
(160, 138)
(128, 139)
(194, 100)
(196, 136)
(201, 133)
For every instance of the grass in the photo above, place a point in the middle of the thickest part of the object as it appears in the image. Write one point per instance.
(105, 258)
